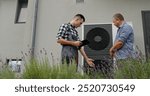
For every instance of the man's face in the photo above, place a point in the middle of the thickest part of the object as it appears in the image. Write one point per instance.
(78, 22)
(116, 22)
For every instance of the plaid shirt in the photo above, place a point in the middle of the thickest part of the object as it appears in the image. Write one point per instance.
(67, 30)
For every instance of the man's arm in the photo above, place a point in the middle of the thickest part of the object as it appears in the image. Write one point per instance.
(88, 60)
(66, 42)
(118, 44)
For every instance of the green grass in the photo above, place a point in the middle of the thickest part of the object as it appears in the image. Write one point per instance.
(42, 69)
(133, 69)
(7, 73)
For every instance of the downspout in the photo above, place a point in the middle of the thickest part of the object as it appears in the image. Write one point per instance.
(34, 28)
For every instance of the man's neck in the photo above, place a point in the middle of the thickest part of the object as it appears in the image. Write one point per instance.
(121, 24)
(72, 23)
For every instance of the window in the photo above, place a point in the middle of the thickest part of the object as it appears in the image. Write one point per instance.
(21, 14)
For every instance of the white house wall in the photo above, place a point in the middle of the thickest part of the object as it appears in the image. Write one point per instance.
(52, 13)
(15, 38)
(11, 35)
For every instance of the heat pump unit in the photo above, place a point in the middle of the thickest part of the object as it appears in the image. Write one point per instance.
(100, 37)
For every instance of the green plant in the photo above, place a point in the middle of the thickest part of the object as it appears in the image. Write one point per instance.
(35, 69)
(7, 73)
(133, 69)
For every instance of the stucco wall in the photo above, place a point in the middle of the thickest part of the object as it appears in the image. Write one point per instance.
(15, 38)
(52, 13)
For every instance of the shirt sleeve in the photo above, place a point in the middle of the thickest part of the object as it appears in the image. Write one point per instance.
(62, 31)
(125, 33)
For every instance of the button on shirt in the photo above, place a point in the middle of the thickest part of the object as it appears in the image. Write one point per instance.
(126, 35)
(68, 32)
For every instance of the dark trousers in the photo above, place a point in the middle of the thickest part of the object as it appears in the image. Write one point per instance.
(68, 61)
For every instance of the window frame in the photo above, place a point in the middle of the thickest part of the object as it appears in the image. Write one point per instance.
(20, 4)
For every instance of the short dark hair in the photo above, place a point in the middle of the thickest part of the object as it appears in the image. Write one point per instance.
(118, 16)
(81, 16)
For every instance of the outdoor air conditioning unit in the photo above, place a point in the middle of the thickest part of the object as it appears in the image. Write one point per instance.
(100, 37)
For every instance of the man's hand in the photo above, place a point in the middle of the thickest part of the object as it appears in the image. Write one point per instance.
(90, 62)
(118, 44)
(112, 52)
(76, 43)
(71, 43)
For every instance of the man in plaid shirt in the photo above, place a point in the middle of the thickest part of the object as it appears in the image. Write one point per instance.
(69, 39)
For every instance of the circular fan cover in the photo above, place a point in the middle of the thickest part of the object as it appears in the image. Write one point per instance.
(99, 38)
